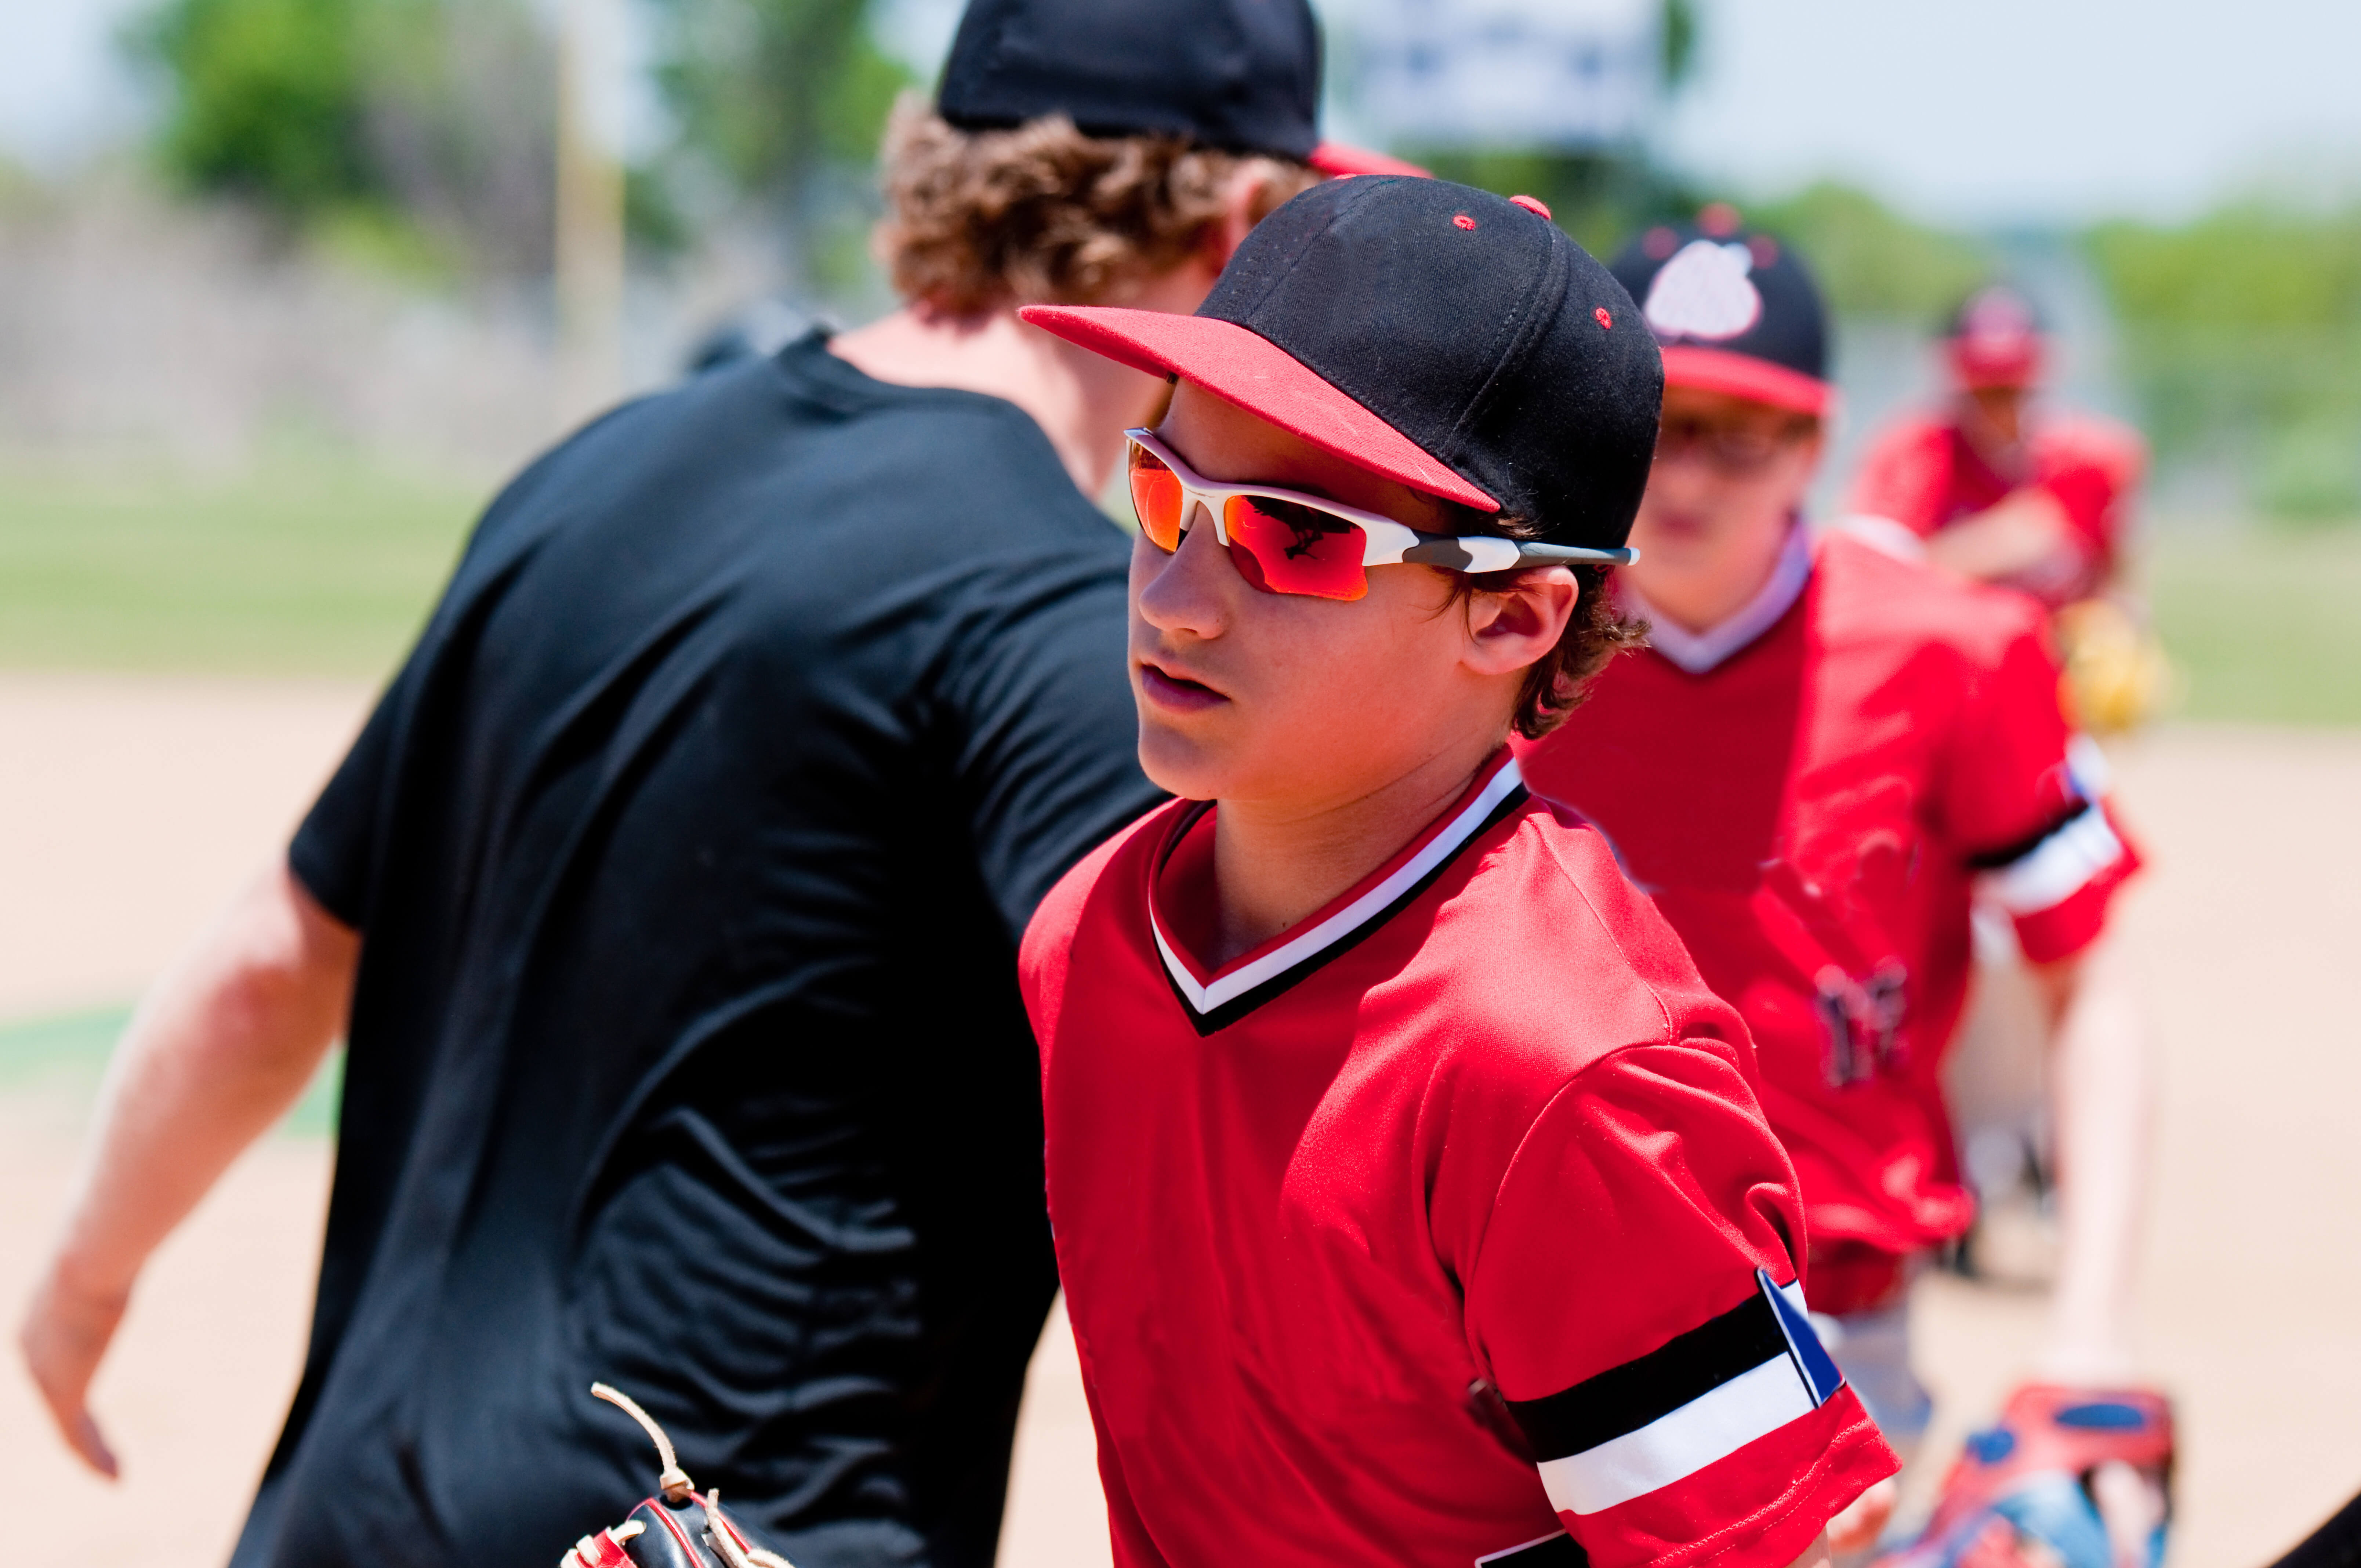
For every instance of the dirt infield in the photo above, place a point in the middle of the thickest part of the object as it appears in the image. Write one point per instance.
(128, 808)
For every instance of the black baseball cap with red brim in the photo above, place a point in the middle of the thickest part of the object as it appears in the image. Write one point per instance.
(1736, 311)
(1238, 75)
(1439, 336)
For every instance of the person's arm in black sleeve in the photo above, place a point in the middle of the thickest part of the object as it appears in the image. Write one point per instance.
(1050, 760)
(333, 853)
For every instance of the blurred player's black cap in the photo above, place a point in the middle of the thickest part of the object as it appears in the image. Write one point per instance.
(1443, 336)
(1736, 311)
(1239, 75)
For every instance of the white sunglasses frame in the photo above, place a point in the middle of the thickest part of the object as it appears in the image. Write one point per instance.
(1386, 542)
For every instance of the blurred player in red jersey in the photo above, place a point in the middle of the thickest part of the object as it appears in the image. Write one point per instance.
(1413, 1195)
(2040, 502)
(2037, 499)
(1826, 753)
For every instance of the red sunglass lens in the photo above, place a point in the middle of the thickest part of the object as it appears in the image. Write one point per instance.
(1283, 548)
(1155, 500)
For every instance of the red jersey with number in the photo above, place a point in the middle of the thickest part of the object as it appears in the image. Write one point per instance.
(1443, 1228)
(1813, 815)
(1925, 474)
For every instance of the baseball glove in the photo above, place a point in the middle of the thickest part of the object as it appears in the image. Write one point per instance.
(677, 1528)
(2116, 675)
(2069, 1478)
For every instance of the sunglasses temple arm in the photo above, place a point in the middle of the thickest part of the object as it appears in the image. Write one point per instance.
(1574, 555)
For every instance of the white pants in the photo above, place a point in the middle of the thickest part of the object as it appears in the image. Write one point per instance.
(1873, 1350)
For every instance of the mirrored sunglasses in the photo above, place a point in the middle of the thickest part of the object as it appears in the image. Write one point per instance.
(1290, 542)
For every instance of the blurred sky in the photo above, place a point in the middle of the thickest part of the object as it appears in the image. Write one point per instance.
(61, 87)
(1994, 112)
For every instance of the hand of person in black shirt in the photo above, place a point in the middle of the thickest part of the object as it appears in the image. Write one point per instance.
(222, 1049)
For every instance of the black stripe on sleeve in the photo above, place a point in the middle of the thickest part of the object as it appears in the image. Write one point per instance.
(1625, 1399)
(2009, 854)
(1560, 1551)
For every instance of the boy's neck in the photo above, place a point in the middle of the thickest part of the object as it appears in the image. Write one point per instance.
(1275, 863)
(1082, 402)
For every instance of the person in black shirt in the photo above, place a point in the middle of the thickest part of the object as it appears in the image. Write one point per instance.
(669, 899)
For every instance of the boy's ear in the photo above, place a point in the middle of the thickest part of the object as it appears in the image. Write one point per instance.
(1226, 233)
(1511, 628)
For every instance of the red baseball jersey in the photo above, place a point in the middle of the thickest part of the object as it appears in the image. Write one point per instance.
(1925, 474)
(1813, 815)
(1443, 1228)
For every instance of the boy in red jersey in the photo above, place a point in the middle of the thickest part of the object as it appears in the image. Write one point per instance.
(1998, 495)
(1999, 489)
(1826, 750)
(1413, 1196)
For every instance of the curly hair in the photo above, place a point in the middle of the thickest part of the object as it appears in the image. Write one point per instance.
(1041, 213)
(1556, 684)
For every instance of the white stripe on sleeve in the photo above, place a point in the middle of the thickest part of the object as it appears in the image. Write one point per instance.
(2058, 867)
(1710, 1427)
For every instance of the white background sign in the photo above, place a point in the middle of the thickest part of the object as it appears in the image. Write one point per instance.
(1503, 73)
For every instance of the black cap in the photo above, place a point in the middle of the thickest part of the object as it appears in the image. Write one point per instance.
(1445, 337)
(1237, 74)
(1735, 308)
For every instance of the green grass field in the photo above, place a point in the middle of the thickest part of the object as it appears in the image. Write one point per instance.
(311, 566)
(308, 565)
(2263, 625)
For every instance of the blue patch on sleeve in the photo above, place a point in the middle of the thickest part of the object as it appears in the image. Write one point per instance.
(1812, 1362)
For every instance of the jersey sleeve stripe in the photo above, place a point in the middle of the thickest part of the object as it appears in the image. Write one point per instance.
(2071, 857)
(1674, 1447)
(1695, 1399)
(1555, 1550)
(2008, 854)
(1622, 1399)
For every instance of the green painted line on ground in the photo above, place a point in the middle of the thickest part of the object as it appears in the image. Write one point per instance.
(67, 1055)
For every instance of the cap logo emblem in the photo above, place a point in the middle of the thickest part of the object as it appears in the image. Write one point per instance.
(1463, 221)
(1704, 292)
(1604, 319)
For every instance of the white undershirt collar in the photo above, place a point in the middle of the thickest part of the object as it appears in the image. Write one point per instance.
(1697, 651)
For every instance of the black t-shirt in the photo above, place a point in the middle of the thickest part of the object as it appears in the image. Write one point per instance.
(691, 851)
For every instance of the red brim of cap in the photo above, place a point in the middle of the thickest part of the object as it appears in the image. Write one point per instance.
(1744, 376)
(2018, 364)
(1338, 161)
(1246, 369)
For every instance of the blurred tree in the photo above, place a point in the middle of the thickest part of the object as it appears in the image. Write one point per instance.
(1677, 27)
(458, 110)
(2242, 339)
(783, 102)
(2246, 265)
(1871, 260)
(266, 99)
(411, 128)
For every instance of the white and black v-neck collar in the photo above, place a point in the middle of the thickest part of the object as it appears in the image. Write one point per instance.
(1699, 652)
(1216, 1001)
